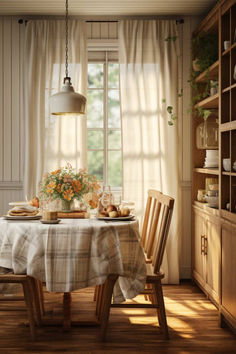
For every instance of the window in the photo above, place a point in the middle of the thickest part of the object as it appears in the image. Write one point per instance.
(103, 120)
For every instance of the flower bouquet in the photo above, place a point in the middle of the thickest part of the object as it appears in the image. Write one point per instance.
(67, 184)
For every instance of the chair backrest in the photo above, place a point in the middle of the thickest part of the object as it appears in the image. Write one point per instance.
(166, 210)
(156, 226)
(150, 221)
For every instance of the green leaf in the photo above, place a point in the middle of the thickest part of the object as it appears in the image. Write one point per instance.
(170, 122)
(163, 100)
(169, 109)
(173, 116)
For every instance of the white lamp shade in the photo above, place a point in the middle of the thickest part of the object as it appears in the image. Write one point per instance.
(67, 101)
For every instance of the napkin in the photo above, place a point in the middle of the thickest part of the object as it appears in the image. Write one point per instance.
(26, 210)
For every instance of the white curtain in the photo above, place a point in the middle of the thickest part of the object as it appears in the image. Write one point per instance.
(50, 141)
(148, 58)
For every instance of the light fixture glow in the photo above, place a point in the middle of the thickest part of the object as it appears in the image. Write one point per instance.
(67, 101)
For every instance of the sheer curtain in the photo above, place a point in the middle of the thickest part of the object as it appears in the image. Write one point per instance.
(52, 141)
(149, 76)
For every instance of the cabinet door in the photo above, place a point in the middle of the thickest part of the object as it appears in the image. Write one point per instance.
(229, 269)
(198, 254)
(213, 257)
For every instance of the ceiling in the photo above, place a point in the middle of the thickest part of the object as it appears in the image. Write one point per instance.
(106, 7)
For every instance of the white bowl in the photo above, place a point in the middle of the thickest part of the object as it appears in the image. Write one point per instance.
(226, 164)
(212, 202)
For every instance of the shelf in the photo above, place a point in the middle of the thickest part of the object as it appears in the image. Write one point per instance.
(209, 102)
(209, 171)
(229, 173)
(228, 126)
(229, 88)
(226, 52)
(205, 207)
(209, 74)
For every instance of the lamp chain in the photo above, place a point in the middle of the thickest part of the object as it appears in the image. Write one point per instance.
(66, 48)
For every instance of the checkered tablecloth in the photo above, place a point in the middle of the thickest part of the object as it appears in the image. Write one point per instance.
(75, 253)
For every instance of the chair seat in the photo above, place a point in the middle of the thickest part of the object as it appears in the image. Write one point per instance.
(151, 276)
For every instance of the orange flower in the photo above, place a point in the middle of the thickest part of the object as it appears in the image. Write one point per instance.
(68, 194)
(56, 172)
(76, 186)
(59, 188)
(93, 204)
(50, 187)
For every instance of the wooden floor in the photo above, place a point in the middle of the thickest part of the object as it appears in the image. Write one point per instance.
(192, 319)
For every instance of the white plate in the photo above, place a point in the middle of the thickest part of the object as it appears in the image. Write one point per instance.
(11, 217)
(50, 221)
(120, 218)
(19, 203)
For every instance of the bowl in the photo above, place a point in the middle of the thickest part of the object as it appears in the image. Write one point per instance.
(212, 202)
(226, 164)
(213, 193)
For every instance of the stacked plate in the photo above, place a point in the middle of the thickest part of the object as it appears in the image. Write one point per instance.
(212, 158)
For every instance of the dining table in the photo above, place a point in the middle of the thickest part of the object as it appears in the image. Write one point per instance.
(75, 254)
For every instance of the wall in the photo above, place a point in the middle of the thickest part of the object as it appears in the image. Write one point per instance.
(11, 112)
(12, 118)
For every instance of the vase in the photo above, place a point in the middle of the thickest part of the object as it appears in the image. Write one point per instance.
(207, 134)
(66, 205)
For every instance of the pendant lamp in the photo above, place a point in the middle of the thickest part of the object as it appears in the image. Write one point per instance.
(67, 101)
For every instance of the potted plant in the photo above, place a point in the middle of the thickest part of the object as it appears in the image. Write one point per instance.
(204, 51)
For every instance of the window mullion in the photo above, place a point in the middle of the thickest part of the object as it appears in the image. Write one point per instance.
(106, 121)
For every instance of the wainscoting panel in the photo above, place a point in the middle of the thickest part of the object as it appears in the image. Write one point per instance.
(9, 195)
(11, 111)
(10, 101)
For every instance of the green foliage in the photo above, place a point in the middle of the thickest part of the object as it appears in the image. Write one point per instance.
(205, 50)
(170, 38)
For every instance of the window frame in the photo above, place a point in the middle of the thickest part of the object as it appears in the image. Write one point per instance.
(105, 129)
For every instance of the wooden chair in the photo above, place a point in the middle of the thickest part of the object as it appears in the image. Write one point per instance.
(158, 223)
(32, 297)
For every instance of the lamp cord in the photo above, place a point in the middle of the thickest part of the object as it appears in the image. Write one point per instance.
(66, 48)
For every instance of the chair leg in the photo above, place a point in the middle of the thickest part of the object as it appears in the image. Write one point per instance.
(106, 303)
(99, 296)
(161, 313)
(95, 293)
(29, 305)
(37, 301)
(41, 296)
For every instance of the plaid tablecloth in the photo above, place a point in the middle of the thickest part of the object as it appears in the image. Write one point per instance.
(75, 254)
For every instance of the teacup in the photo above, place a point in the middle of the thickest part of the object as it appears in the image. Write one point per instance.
(226, 44)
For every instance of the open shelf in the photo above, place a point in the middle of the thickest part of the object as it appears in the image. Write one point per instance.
(209, 74)
(228, 126)
(229, 88)
(209, 171)
(209, 102)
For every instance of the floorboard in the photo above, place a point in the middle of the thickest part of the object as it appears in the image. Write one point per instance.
(192, 320)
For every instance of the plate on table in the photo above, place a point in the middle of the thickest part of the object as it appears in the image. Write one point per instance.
(19, 203)
(119, 218)
(18, 217)
(50, 221)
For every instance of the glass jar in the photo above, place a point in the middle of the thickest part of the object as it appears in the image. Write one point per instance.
(207, 134)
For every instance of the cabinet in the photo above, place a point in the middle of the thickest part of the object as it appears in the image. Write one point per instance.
(214, 229)
(228, 303)
(207, 253)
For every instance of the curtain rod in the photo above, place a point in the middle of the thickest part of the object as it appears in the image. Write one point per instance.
(178, 22)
